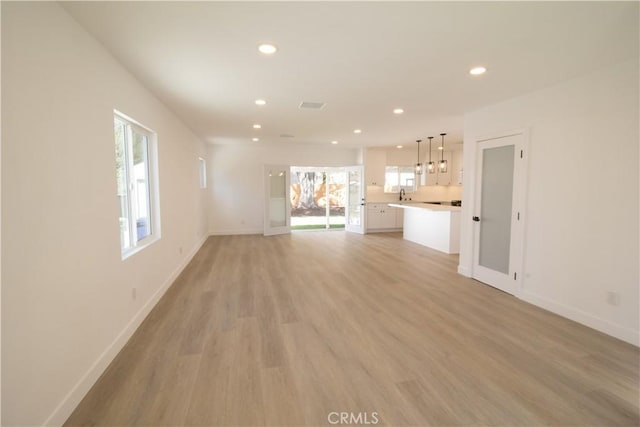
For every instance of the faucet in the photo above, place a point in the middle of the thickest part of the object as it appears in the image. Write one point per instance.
(402, 193)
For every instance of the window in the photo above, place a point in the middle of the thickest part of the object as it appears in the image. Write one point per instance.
(399, 177)
(135, 152)
(202, 169)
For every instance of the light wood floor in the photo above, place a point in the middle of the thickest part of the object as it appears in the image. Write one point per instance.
(285, 330)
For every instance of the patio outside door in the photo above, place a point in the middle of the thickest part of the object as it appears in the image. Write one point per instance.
(354, 215)
(277, 209)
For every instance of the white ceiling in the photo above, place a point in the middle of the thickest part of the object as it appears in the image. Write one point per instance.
(362, 58)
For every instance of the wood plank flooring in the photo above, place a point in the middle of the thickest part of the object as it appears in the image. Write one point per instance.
(284, 330)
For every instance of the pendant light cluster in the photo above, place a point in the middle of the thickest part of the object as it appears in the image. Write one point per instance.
(431, 165)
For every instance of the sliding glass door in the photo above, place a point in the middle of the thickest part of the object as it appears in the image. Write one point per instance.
(318, 197)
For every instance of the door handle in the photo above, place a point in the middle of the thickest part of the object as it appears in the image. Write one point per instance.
(476, 218)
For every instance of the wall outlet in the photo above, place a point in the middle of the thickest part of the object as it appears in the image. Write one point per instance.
(613, 298)
(134, 293)
(180, 250)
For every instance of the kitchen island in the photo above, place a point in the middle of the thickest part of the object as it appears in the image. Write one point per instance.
(432, 225)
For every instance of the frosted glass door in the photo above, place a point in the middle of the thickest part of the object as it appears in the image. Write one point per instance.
(497, 205)
(355, 212)
(495, 217)
(277, 211)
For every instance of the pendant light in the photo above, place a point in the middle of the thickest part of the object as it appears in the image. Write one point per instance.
(442, 167)
(418, 165)
(431, 166)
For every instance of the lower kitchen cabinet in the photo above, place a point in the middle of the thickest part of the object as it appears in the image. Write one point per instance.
(381, 217)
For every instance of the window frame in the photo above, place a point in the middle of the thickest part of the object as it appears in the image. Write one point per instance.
(132, 126)
(202, 173)
(407, 190)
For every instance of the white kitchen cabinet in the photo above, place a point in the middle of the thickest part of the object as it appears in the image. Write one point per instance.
(380, 216)
(375, 162)
(456, 173)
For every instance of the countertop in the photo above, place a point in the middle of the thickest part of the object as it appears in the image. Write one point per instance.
(426, 206)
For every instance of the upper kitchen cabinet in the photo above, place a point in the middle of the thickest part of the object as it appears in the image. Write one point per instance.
(375, 162)
(456, 172)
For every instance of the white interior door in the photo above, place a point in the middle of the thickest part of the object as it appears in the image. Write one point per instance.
(497, 235)
(277, 206)
(355, 210)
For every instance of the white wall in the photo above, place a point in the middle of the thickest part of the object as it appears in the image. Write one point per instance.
(236, 190)
(67, 304)
(582, 198)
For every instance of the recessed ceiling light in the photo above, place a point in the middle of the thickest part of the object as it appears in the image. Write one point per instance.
(261, 102)
(255, 139)
(440, 148)
(398, 146)
(257, 126)
(267, 48)
(398, 111)
(357, 131)
(334, 142)
(477, 71)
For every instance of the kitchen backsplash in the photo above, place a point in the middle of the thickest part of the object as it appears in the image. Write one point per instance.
(431, 193)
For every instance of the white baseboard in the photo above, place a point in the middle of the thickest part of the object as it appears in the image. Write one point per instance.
(602, 325)
(382, 230)
(236, 231)
(464, 271)
(82, 387)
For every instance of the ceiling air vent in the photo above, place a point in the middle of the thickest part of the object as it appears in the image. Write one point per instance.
(286, 135)
(306, 105)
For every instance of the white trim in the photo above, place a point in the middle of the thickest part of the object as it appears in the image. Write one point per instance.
(361, 228)
(148, 241)
(152, 179)
(82, 387)
(133, 121)
(520, 194)
(270, 230)
(502, 134)
(599, 324)
(202, 173)
(523, 197)
(464, 271)
(236, 231)
(382, 230)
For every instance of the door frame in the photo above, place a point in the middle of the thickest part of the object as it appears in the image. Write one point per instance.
(268, 229)
(363, 204)
(520, 190)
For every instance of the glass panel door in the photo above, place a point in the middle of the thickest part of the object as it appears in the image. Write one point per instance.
(277, 219)
(337, 197)
(355, 200)
(495, 214)
(497, 205)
